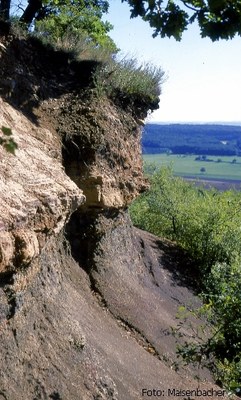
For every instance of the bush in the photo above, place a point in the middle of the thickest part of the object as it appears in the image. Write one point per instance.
(81, 33)
(224, 295)
(58, 20)
(223, 301)
(125, 81)
(206, 223)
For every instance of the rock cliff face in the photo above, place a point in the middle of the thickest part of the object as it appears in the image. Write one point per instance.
(36, 197)
(86, 301)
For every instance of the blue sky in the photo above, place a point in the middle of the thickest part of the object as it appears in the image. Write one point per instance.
(203, 78)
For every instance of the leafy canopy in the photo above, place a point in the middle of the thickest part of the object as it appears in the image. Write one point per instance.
(78, 18)
(217, 19)
(206, 223)
(57, 18)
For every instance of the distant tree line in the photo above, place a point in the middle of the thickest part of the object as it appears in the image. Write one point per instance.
(192, 139)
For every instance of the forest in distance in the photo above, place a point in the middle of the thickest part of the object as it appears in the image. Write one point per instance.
(199, 139)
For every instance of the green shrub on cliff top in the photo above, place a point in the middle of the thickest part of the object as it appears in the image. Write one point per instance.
(125, 80)
(82, 34)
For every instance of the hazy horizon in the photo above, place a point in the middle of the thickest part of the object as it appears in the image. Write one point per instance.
(231, 123)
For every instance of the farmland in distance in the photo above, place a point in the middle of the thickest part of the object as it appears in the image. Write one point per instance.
(188, 150)
(186, 166)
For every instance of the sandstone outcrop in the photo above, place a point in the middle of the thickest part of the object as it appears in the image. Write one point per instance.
(36, 196)
(86, 300)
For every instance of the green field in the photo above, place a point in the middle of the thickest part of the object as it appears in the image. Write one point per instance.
(187, 166)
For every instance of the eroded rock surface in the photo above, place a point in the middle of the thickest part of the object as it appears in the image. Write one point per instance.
(37, 198)
(103, 153)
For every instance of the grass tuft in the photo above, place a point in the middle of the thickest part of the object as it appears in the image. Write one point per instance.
(130, 83)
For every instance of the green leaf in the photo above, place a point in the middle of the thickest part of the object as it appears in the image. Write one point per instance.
(6, 131)
(10, 146)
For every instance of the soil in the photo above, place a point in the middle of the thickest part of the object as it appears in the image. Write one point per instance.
(66, 340)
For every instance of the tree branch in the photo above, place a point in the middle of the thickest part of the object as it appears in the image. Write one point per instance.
(190, 7)
(31, 10)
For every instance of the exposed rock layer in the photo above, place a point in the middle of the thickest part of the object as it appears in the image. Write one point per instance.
(102, 151)
(36, 196)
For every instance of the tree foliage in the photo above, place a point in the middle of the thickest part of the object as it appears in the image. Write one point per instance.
(217, 19)
(57, 18)
(221, 350)
(224, 297)
(76, 18)
(206, 223)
